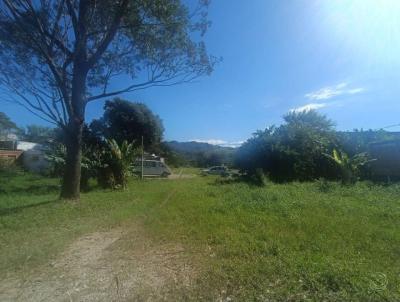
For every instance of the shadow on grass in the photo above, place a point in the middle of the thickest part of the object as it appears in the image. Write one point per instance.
(31, 190)
(14, 210)
(251, 181)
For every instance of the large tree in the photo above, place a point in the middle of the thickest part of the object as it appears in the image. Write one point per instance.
(56, 56)
(123, 120)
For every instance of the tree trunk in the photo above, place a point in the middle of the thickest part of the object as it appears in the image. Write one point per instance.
(73, 135)
(72, 173)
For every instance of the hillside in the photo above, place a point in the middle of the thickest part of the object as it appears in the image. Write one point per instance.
(194, 147)
(202, 154)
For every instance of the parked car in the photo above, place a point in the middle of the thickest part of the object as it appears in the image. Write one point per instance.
(151, 168)
(217, 170)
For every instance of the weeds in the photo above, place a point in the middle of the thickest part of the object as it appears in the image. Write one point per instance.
(298, 241)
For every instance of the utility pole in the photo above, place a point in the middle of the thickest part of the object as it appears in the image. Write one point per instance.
(142, 156)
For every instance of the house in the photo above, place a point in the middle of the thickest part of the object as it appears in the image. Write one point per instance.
(386, 165)
(31, 155)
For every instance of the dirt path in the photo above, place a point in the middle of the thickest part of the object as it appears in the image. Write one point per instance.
(106, 266)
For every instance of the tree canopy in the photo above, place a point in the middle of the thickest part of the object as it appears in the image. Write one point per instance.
(58, 55)
(6, 123)
(293, 151)
(48, 46)
(39, 134)
(123, 120)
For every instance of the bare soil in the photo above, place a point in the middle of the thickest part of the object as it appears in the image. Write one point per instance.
(117, 265)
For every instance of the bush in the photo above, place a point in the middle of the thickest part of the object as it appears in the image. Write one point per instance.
(8, 166)
(294, 151)
(259, 178)
(351, 168)
(116, 162)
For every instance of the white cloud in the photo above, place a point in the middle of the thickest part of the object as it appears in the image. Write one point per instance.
(308, 107)
(209, 141)
(219, 142)
(332, 91)
(232, 144)
(355, 90)
(341, 85)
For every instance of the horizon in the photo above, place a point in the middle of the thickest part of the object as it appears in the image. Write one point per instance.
(340, 58)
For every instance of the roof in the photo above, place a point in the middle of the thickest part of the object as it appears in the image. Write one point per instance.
(10, 154)
(29, 146)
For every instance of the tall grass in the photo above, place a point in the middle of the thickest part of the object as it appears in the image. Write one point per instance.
(297, 242)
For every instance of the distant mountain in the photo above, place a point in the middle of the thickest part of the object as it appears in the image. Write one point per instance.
(193, 146)
(202, 154)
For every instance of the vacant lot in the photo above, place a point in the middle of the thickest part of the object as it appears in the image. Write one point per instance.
(199, 239)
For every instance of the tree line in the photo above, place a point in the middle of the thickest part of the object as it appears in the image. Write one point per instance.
(307, 147)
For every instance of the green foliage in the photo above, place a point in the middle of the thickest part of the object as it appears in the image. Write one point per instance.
(283, 242)
(198, 154)
(116, 164)
(123, 120)
(358, 141)
(8, 165)
(56, 156)
(108, 162)
(65, 54)
(350, 167)
(172, 157)
(39, 134)
(7, 125)
(90, 163)
(293, 151)
(259, 178)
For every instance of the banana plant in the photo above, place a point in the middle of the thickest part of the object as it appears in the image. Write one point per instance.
(350, 167)
(90, 163)
(119, 159)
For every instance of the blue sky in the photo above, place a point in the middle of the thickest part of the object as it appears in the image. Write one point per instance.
(339, 57)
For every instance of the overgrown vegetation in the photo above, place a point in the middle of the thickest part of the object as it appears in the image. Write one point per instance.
(123, 120)
(299, 241)
(306, 147)
(108, 162)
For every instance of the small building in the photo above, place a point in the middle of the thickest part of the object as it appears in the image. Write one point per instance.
(31, 155)
(386, 164)
(11, 155)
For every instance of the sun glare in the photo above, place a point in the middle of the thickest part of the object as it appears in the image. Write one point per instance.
(369, 27)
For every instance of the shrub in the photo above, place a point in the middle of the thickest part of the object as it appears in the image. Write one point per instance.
(350, 167)
(8, 166)
(91, 162)
(259, 178)
(116, 163)
(293, 151)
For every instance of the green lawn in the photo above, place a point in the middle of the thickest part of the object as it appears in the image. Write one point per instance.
(296, 242)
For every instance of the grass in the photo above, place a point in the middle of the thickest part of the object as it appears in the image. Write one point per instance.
(283, 242)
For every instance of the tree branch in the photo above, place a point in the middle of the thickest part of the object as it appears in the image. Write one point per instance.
(144, 85)
(108, 37)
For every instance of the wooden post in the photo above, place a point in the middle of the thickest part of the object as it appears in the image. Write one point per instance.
(142, 156)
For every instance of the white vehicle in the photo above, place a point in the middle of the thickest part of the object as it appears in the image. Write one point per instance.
(151, 168)
(218, 170)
